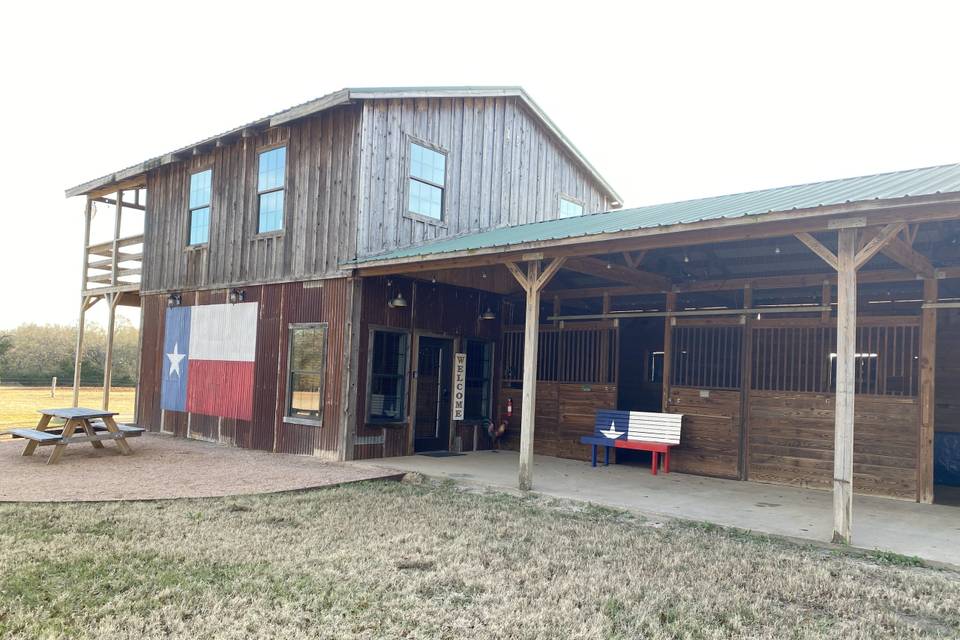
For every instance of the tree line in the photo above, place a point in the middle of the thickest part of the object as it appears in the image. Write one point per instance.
(32, 354)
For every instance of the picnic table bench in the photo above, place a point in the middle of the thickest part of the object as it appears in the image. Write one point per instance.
(639, 430)
(94, 426)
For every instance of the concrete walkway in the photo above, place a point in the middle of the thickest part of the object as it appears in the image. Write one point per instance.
(931, 532)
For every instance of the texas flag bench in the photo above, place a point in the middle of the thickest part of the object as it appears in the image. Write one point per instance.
(654, 432)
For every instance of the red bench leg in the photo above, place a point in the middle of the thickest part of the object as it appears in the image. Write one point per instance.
(666, 461)
(653, 463)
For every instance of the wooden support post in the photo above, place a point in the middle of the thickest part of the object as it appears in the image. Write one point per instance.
(533, 283)
(84, 302)
(928, 364)
(671, 305)
(528, 405)
(112, 300)
(846, 385)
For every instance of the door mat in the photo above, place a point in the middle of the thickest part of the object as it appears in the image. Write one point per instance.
(440, 454)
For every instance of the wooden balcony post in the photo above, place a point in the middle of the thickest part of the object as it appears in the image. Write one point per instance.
(846, 385)
(84, 301)
(112, 300)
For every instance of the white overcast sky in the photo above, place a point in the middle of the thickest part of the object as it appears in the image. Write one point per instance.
(669, 100)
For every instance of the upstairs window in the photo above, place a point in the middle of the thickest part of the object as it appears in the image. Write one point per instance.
(428, 170)
(306, 372)
(270, 182)
(200, 207)
(570, 208)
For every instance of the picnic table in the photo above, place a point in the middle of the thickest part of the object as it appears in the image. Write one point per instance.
(80, 425)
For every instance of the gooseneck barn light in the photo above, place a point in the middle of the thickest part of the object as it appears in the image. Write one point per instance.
(174, 300)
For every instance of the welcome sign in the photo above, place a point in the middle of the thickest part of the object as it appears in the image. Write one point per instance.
(459, 384)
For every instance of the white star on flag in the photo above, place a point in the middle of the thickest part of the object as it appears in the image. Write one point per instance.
(175, 358)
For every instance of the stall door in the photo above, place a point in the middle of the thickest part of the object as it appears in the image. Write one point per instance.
(432, 417)
(705, 386)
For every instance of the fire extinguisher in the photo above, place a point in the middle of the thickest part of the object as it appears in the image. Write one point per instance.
(509, 408)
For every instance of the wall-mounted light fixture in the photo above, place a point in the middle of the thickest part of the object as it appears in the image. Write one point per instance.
(397, 301)
(174, 300)
(488, 314)
(237, 295)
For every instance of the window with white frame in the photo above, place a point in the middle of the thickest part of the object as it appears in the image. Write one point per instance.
(306, 370)
(428, 170)
(271, 175)
(200, 207)
(570, 208)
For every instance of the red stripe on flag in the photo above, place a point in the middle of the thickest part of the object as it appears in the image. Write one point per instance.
(221, 388)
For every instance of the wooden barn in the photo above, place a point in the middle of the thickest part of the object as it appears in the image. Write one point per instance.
(383, 271)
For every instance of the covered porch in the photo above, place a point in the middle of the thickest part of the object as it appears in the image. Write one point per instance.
(797, 330)
(925, 531)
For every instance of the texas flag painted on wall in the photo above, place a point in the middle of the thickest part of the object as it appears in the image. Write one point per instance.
(208, 359)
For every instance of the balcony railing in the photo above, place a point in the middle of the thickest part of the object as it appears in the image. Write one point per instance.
(115, 265)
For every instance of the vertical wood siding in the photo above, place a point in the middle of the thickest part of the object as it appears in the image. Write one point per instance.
(320, 210)
(503, 168)
(279, 306)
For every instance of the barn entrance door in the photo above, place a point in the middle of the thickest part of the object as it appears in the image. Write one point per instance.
(431, 429)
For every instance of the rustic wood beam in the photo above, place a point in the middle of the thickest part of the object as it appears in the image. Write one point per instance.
(928, 365)
(817, 247)
(520, 276)
(633, 259)
(549, 272)
(126, 205)
(845, 386)
(877, 243)
(905, 255)
(614, 272)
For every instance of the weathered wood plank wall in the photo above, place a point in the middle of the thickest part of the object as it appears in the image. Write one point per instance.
(791, 441)
(320, 216)
(503, 168)
(280, 305)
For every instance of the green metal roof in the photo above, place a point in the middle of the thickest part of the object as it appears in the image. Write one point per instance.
(881, 186)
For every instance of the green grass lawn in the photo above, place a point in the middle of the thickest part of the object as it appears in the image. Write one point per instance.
(18, 405)
(407, 560)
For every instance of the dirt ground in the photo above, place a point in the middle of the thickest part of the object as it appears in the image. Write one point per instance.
(162, 467)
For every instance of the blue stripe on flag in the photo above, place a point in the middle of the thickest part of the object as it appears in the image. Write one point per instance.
(176, 345)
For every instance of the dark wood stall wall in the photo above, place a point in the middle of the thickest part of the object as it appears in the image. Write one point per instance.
(947, 390)
(435, 309)
(705, 386)
(279, 306)
(576, 376)
(791, 405)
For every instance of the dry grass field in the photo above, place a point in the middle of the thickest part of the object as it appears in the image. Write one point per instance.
(18, 405)
(425, 560)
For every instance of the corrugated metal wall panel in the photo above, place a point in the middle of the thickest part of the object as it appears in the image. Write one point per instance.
(280, 305)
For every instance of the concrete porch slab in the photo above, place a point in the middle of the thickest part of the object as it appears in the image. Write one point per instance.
(931, 532)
